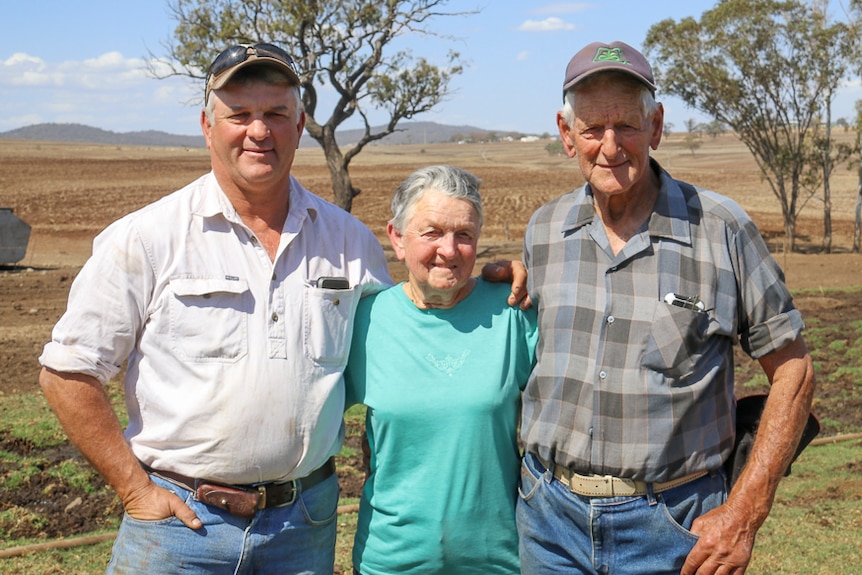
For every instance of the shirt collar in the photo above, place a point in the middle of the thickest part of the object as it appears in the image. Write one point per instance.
(582, 213)
(213, 202)
(670, 217)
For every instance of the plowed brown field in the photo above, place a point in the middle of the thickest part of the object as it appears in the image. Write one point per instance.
(69, 192)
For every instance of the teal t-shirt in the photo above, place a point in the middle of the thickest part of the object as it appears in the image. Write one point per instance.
(443, 394)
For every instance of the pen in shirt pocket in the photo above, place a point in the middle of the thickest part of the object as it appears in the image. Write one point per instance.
(688, 302)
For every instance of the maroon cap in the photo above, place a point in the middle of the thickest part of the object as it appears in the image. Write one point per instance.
(600, 57)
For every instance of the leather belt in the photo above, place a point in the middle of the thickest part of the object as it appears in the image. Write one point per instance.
(245, 500)
(610, 486)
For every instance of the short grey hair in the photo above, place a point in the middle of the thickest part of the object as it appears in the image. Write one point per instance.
(450, 180)
(265, 74)
(647, 99)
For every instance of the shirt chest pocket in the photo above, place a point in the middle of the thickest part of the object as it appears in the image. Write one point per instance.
(327, 323)
(209, 318)
(676, 341)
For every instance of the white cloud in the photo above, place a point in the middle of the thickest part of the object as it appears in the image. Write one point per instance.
(522, 56)
(20, 58)
(109, 90)
(110, 71)
(564, 8)
(22, 70)
(552, 24)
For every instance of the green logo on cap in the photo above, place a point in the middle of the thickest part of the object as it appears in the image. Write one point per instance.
(605, 54)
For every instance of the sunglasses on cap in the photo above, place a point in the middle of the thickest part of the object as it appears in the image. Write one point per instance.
(236, 55)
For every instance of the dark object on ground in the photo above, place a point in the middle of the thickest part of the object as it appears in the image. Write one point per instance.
(748, 411)
(14, 236)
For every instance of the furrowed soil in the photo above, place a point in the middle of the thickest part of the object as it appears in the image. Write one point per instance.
(69, 192)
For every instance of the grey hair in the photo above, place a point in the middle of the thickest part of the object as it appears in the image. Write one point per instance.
(265, 74)
(450, 180)
(647, 99)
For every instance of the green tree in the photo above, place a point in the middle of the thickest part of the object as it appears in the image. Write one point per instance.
(857, 230)
(667, 129)
(555, 148)
(692, 135)
(715, 128)
(856, 23)
(344, 44)
(765, 69)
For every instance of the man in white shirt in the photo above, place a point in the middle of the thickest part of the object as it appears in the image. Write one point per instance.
(232, 302)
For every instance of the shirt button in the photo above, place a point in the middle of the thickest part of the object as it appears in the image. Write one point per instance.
(603, 374)
(611, 319)
(275, 317)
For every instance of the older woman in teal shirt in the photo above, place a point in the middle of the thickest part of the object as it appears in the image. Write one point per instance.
(440, 360)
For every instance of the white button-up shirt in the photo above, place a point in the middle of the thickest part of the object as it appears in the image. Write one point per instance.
(235, 363)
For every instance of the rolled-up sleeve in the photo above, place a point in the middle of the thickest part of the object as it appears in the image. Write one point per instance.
(107, 307)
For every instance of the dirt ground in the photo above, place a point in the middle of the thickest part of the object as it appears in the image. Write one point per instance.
(68, 193)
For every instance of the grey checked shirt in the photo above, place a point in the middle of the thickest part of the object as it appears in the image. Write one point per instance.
(627, 384)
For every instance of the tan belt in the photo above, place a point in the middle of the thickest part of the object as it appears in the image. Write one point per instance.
(609, 486)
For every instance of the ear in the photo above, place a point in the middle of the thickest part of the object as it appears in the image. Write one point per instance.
(657, 127)
(300, 126)
(397, 241)
(566, 136)
(206, 128)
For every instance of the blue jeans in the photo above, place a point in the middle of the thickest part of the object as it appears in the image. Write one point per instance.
(294, 539)
(562, 532)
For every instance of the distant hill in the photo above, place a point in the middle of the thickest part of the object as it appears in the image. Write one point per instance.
(406, 133)
(88, 135)
(423, 133)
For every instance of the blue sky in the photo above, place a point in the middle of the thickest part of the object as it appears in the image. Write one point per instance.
(84, 62)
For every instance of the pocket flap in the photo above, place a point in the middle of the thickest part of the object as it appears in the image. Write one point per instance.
(205, 286)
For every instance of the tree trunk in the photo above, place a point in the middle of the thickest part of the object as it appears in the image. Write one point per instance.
(857, 232)
(789, 238)
(789, 232)
(343, 191)
(827, 218)
(827, 171)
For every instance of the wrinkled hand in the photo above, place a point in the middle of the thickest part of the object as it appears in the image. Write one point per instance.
(152, 503)
(725, 544)
(510, 271)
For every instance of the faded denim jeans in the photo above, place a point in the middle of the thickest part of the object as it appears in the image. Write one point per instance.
(295, 539)
(563, 533)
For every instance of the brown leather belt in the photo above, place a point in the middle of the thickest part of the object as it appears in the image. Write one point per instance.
(610, 486)
(245, 500)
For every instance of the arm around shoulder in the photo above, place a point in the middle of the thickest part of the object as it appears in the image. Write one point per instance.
(514, 272)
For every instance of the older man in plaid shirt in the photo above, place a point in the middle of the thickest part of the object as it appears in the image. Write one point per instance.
(643, 285)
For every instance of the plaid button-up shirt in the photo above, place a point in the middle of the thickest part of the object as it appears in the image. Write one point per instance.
(627, 384)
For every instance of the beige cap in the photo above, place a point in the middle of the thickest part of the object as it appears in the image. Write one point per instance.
(235, 58)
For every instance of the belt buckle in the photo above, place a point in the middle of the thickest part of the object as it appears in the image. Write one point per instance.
(607, 483)
(261, 504)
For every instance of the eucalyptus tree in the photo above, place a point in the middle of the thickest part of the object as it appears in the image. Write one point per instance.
(765, 68)
(856, 21)
(346, 46)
